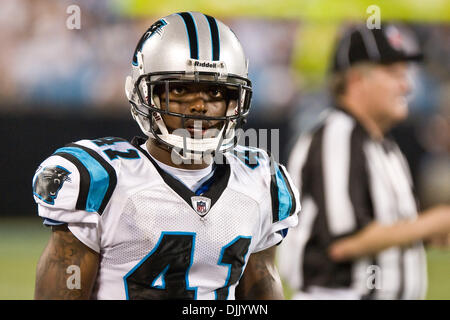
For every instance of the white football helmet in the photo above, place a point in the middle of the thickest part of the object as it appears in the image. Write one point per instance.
(186, 48)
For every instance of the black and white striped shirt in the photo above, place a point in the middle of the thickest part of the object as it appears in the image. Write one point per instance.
(347, 179)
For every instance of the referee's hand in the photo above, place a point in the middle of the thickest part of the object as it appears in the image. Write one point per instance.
(376, 237)
(368, 241)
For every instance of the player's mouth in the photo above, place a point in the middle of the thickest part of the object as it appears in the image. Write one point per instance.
(203, 129)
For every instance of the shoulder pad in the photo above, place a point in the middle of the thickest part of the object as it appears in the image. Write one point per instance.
(249, 157)
(80, 176)
(256, 168)
(285, 196)
(113, 148)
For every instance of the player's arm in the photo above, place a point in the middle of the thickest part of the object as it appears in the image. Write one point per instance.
(52, 275)
(260, 280)
(376, 237)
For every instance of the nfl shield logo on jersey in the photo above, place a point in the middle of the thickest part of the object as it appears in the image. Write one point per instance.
(201, 205)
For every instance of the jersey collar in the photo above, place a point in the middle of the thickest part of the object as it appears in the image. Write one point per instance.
(211, 188)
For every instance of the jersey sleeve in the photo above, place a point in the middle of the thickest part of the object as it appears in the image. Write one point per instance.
(75, 179)
(74, 186)
(59, 189)
(280, 208)
(88, 231)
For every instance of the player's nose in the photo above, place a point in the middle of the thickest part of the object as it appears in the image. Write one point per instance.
(198, 104)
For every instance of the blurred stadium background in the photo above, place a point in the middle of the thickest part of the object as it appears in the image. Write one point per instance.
(59, 85)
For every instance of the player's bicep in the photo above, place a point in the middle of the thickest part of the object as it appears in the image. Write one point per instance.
(260, 280)
(67, 268)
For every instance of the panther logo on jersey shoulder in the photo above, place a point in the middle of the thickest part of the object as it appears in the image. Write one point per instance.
(49, 181)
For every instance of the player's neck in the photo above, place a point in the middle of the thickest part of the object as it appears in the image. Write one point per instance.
(164, 155)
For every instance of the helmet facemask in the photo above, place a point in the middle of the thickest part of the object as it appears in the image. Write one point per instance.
(197, 136)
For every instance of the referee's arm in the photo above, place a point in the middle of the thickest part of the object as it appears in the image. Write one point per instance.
(376, 237)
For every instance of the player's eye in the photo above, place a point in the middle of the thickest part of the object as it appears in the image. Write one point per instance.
(178, 90)
(216, 92)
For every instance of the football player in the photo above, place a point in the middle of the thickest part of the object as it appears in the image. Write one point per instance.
(184, 213)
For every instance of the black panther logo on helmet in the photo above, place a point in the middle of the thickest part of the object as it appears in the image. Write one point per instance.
(49, 182)
(154, 28)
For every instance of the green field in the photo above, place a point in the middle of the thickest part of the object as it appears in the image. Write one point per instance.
(22, 242)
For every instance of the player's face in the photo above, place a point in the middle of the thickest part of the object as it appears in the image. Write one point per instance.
(198, 100)
(387, 87)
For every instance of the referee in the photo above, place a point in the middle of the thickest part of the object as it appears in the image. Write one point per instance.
(359, 233)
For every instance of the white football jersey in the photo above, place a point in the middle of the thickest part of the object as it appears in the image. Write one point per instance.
(156, 238)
